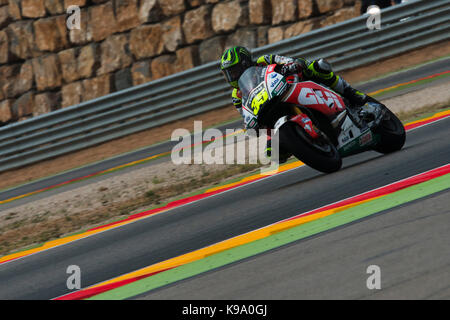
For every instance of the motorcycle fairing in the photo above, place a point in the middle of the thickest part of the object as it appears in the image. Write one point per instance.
(308, 94)
(315, 96)
(273, 85)
(312, 95)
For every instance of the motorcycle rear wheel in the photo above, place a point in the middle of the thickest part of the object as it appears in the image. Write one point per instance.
(391, 132)
(319, 154)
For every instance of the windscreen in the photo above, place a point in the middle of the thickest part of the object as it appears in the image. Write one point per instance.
(250, 79)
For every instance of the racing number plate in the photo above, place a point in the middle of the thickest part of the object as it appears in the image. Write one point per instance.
(260, 98)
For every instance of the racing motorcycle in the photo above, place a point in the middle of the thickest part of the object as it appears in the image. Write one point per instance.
(313, 122)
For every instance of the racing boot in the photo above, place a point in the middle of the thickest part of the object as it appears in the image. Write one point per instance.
(321, 71)
(356, 100)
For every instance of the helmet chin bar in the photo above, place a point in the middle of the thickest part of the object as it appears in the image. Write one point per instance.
(233, 73)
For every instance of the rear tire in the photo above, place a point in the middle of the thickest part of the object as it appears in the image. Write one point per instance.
(391, 132)
(297, 141)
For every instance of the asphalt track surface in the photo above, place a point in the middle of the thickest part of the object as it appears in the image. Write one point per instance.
(408, 243)
(184, 229)
(391, 80)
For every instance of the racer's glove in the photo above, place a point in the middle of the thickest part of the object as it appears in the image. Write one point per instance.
(291, 68)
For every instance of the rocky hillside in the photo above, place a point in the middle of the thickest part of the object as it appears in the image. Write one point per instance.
(44, 66)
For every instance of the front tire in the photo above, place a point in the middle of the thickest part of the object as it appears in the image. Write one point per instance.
(319, 153)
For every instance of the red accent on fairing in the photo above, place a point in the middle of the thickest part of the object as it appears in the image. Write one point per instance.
(271, 68)
(305, 122)
(290, 79)
(311, 95)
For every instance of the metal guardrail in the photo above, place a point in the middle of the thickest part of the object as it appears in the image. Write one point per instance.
(346, 45)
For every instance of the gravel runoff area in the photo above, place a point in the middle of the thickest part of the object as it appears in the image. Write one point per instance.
(435, 95)
(136, 191)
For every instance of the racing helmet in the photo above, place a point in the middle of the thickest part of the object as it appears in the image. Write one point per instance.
(234, 62)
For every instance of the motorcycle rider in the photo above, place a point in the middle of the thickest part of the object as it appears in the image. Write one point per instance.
(237, 59)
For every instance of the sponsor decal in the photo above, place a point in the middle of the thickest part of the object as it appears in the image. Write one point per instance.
(365, 139)
(252, 123)
(280, 88)
(309, 96)
(345, 139)
(274, 82)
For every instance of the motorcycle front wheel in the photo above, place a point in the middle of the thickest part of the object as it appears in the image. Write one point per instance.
(319, 154)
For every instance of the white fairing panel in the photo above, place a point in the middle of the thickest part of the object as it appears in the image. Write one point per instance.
(349, 132)
(273, 81)
(249, 118)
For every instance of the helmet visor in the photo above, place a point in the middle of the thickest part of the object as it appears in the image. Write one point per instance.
(233, 73)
